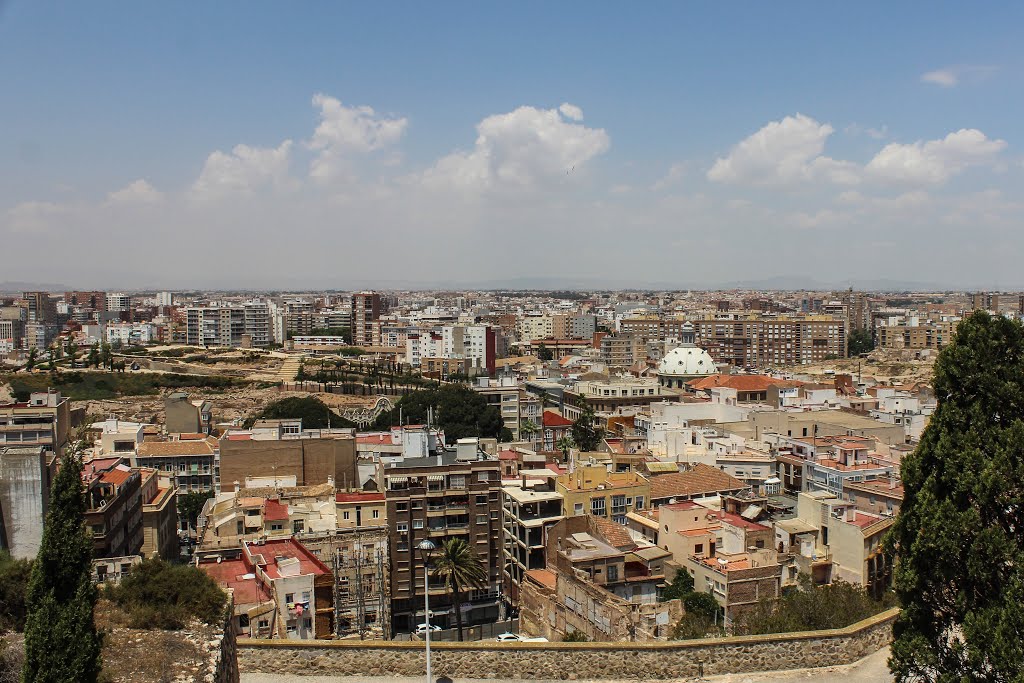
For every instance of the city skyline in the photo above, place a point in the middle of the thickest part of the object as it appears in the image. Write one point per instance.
(683, 147)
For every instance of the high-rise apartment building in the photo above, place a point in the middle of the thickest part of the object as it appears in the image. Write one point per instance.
(118, 302)
(41, 307)
(756, 341)
(451, 495)
(367, 308)
(226, 325)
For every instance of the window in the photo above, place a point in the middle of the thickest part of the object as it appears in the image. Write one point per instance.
(578, 509)
(481, 519)
(597, 507)
(402, 527)
(289, 597)
(262, 623)
(481, 500)
(417, 524)
(376, 514)
(639, 502)
(344, 515)
(483, 476)
(401, 507)
(759, 544)
(698, 548)
(297, 526)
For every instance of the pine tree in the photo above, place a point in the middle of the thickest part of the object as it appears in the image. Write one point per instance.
(61, 642)
(959, 538)
(586, 432)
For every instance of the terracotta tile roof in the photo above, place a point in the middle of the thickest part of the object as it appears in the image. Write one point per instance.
(614, 534)
(507, 455)
(741, 382)
(359, 497)
(701, 480)
(273, 511)
(115, 476)
(154, 448)
(553, 419)
(544, 577)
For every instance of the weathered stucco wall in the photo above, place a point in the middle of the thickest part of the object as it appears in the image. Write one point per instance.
(488, 660)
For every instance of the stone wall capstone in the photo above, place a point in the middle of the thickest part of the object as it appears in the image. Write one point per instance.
(569, 661)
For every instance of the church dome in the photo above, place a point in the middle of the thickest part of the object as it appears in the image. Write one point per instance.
(687, 361)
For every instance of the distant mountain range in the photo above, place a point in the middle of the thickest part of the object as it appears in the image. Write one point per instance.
(13, 286)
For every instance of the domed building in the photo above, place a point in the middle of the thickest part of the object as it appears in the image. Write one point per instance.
(685, 362)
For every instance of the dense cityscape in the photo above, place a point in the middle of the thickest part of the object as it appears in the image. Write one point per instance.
(453, 342)
(611, 466)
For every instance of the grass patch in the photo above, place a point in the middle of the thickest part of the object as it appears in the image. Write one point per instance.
(82, 386)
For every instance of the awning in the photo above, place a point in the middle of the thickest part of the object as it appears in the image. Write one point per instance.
(751, 512)
(397, 480)
(435, 477)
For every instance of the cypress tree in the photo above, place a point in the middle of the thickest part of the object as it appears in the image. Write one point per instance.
(61, 642)
(959, 537)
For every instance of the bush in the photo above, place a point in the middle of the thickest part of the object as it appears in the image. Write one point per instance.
(680, 587)
(156, 594)
(13, 583)
(313, 412)
(575, 637)
(812, 608)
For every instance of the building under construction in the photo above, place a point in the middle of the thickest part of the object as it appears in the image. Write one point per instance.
(362, 605)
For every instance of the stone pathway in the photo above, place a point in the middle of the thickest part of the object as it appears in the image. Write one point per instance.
(871, 669)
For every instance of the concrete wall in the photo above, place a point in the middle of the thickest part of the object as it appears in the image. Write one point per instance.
(24, 495)
(310, 461)
(594, 661)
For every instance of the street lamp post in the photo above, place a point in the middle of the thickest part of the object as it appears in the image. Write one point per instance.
(426, 546)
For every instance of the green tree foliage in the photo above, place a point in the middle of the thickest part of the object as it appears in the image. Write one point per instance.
(860, 341)
(544, 353)
(30, 364)
(702, 617)
(342, 332)
(586, 431)
(811, 608)
(458, 410)
(191, 504)
(61, 642)
(461, 568)
(14, 576)
(959, 538)
(156, 594)
(681, 586)
(575, 637)
(314, 413)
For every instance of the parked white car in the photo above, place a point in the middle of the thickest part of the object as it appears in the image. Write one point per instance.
(517, 638)
(422, 628)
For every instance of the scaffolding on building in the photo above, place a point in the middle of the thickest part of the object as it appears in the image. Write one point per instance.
(362, 607)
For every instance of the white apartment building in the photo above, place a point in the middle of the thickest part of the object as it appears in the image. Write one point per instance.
(128, 334)
(118, 301)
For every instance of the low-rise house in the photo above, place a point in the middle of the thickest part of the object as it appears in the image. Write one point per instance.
(595, 491)
(879, 496)
(599, 582)
(113, 513)
(738, 581)
(280, 585)
(159, 516)
(701, 481)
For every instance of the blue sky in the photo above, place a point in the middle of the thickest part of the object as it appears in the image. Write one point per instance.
(102, 97)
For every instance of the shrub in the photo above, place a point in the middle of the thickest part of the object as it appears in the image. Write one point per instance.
(13, 583)
(156, 594)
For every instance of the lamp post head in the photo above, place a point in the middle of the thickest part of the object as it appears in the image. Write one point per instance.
(425, 547)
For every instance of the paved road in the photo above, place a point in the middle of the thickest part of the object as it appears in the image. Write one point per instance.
(871, 669)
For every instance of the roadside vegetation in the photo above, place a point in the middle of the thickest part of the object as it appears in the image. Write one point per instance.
(82, 386)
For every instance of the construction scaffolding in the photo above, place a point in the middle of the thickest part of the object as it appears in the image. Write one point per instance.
(362, 606)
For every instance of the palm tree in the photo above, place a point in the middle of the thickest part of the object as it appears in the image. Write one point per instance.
(529, 429)
(461, 568)
(565, 444)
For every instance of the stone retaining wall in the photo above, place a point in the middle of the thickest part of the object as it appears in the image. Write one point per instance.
(488, 660)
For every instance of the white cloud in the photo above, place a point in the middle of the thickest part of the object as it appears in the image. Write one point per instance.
(243, 170)
(674, 175)
(138, 192)
(571, 111)
(952, 76)
(343, 130)
(934, 161)
(781, 153)
(34, 217)
(522, 149)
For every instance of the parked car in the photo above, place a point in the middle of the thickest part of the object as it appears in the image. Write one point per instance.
(509, 638)
(422, 628)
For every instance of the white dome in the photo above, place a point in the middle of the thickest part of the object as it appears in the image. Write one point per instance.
(686, 361)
